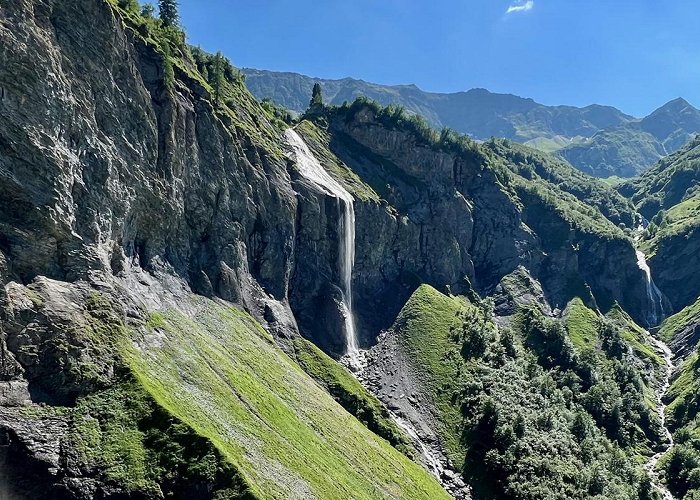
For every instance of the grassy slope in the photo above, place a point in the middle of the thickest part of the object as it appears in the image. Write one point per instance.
(424, 328)
(222, 374)
(673, 325)
(635, 336)
(582, 326)
(581, 323)
(351, 395)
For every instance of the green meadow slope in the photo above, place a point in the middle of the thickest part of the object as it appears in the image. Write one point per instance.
(222, 374)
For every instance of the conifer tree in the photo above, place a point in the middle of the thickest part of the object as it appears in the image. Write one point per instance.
(316, 96)
(218, 79)
(169, 13)
(147, 10)
(129, 5)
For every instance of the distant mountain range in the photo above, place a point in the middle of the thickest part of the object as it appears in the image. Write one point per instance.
(630, 149)
(599, 140)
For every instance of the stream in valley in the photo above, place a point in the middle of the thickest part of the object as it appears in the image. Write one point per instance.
(653, 461)
(655, 316)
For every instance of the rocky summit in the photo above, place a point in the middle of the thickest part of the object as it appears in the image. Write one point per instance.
(205, 297)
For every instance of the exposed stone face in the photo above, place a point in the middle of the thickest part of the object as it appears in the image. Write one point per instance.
(103, 168)
(518, 290)
(108, 177)
(101, 165)
(452, 219)
(673, 265)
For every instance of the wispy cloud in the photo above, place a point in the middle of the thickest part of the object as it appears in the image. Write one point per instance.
(521, 6)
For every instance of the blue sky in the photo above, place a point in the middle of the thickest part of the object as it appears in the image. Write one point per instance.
(635, 55)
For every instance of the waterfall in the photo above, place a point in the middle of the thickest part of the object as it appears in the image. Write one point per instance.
(656, 313)
(310, 168)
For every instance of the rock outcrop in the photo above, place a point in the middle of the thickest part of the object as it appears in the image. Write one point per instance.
(120, 181)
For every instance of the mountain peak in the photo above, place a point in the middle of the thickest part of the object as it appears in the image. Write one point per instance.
(674, 106)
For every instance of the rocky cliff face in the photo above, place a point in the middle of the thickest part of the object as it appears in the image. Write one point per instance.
(674, 263)
(115, 179)
(465, 223)
(103, 168)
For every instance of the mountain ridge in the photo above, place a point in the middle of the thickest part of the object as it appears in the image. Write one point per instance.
(419, 101)
(597, 139)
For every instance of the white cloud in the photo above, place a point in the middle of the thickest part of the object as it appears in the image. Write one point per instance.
(521, 6)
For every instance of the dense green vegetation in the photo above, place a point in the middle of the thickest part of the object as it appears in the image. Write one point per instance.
(536, 166)
(681, 464)
(544, 409)
(168, 13)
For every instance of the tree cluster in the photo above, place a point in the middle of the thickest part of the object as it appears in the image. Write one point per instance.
(543, 419)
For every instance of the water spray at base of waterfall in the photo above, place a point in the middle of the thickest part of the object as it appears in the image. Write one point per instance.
(354, 358)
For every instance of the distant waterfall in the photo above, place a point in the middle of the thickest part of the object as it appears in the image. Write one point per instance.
(311, 169)
(656, 313)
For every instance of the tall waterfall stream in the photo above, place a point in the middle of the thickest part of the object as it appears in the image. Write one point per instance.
(310, 168)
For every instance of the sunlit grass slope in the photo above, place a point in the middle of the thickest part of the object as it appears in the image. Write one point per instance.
(221, 373)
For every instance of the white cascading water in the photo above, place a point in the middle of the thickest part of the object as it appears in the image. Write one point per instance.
(656, 314)
(310, 168)
(651, 464)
